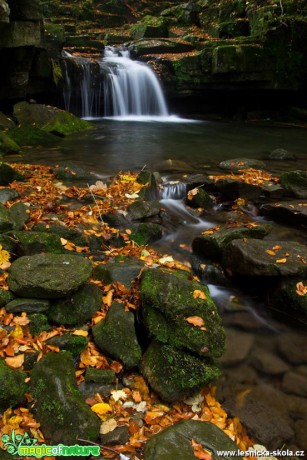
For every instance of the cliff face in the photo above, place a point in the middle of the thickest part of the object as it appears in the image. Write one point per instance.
(26, 69)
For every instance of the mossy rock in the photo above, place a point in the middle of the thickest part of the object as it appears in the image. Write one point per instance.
(295, 182)
(116, 336)
(123, 272)
(5, 297)
(200, 200)
(30, 135)
(175, 374)
(49, 119)
(6, 122)
(30, 243)
(8, 174)
(139, 210)
(168, 300)
(150, 27)
(59, 406)
(175, 442)
(19, 214)
(48, 276)
(71, 234)
(7, 144)
(211, 246)
(145, 233)
(78, 308)
(38, 323)
(103, 376)
(75, 344)
(5, 222)
(8, 194)
(29, 306)
(12, 386)
(288, 299)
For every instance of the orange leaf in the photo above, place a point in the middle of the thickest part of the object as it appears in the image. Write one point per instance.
(81, 332)
(16, 361)
(195, 321)
(281, 261)
(301, 289)
(271, 253)
(107, 299)
(197, 294)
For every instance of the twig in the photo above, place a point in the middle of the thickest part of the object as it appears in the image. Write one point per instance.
(95, 201)
(99, 445)
(281, 7)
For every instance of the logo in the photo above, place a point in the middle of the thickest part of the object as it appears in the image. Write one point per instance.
(25, 446)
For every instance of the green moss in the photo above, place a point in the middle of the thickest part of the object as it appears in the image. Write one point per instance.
(12, 386)
(7, 144)
(5, 297)
(30, 243)
(30, 135)
(73, 343)
(65, 123)
(38, 324)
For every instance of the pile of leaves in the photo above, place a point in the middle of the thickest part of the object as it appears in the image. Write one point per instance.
(135, 405)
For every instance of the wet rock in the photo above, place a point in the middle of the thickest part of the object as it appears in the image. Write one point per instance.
(38, 323)
(171, 165)
(104, 376)
(295, 182)
(72, 234)
(12, 386)
(7, 145)
(238, 164)
(5, 222)
(267, 362)
(244, 374)
(116, 336)
(175, 442)
(19, 215)
(168, 300)
(201, 199)
(272, 191)
(150, 191)
(238, 347)
(211, 245)
(143, 209)
(31, 135)
(59, 406)
(290, 212)
(149, 27)
(124, 272)
(48, 276)
(5, 297)
(145, 233)
(8, 194)
(295, 383)
(27, 305)
(296, 406)
(207, 272)
(286, 298)
(119, 436)
(75, 344)
(175, 374)
(249, 258)
(91, 389)
(50, 119)
(233, 189)
(78, 308)
(258, 408)
(71, 172)
(300, 433)
(292, 346)
(8, 174)
(30, 243)
(281, 154)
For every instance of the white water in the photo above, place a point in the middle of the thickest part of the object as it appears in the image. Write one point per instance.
(132, 90)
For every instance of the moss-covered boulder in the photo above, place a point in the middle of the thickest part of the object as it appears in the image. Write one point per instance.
(170, 299)
(72, 234)
(290, 298)
(5, 297)
(116, 336)
(49, 119)
(8, 194)
(8, 174)
(139, 210)
(59, 406)
(199, 198)
(175, 374)
(145, 233)
(150, 27)
(124, 272)
(175, 442)
(38, 323)
(48, 276)
(12, 386)
(295, 182)
(75, 344)
(103, 376)
(7, 144)
(211, 245)
(5, 221)
(31, 135)
(19, 215)
(30, 243)
(27, 305)
(78, 308)
(256, 258)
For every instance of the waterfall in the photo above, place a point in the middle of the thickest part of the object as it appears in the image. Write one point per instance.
(131, 87)
(175, 191)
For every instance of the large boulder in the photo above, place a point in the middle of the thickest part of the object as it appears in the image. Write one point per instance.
(59, 406)
(238, 164)
(29, 243)
(256, 258)
(175, 374)
(48, 276)
(295, 182)
(150, 27)
(7, 144)
(290, 212)
(124, 272)
(12, 386)
(116, 336)
(8, 174)
(210, 244)
(78, 308)
(290, 297)
(170, 301)
(175, 442)
(49, 119)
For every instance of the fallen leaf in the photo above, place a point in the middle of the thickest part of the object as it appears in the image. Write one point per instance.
(281, 261)
(195, 321)
(118, 395)
(108, 426)
(101, 408)
(270, 252)
(301, 289)
(80, 332)
(197, 294)
(16, 361)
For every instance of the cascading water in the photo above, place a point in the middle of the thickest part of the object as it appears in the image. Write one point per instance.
(131, 87)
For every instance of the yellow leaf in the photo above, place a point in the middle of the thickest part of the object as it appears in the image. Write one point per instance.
(16, 361)
(17, 332)
(80, 332)
(301, 289)
(63, 241)
(107, 299)
(4, 256)
(281, 261)
(195, 321)
(101, 409)
(197, 294)
(271, 253)
(108, 425)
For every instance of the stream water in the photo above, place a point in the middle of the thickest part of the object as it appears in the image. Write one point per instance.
(257, 356)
